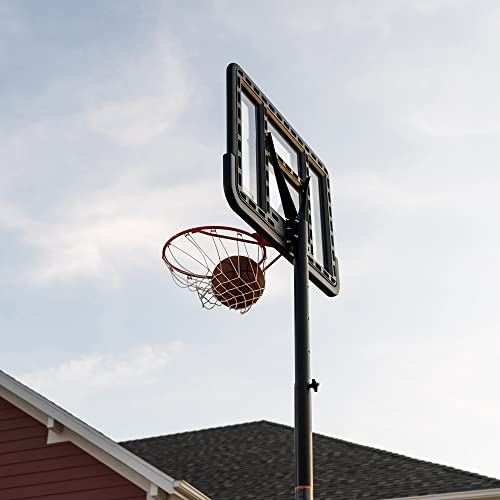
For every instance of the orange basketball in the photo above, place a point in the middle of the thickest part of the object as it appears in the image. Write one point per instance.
(238, 282)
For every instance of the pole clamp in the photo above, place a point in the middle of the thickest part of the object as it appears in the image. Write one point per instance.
(314, 385)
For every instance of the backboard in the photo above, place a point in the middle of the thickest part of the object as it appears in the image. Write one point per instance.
(250, 184)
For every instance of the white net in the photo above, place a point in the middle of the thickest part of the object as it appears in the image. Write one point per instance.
(222, 265)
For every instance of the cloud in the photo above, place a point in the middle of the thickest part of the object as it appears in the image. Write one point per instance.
(102, 229)
(379, 16)
(95, 374)
(143, 101)
(95, 189)
(108, 232)
(348, 16)
(443, 87)
(10, 21)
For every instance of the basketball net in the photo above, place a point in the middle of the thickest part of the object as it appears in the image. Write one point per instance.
(223, 265)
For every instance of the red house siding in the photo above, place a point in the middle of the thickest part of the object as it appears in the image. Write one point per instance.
(31, 469)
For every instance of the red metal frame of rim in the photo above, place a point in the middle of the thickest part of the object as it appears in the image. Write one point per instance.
(257, 239)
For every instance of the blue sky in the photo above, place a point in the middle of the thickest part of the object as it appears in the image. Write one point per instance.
(112, 135)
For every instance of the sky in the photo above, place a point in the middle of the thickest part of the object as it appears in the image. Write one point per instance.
(112, 131)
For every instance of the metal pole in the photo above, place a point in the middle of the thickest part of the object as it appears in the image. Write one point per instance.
(303, 417)
(299, 238)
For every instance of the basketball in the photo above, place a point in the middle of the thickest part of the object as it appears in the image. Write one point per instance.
(238, 282)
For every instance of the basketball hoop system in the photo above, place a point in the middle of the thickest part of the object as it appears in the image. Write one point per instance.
(223, 265)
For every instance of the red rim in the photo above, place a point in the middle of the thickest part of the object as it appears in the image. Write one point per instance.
(256, 239)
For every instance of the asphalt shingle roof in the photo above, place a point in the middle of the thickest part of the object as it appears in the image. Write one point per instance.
(254, 461)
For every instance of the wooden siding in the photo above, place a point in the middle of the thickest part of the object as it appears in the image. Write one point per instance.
(32, 470)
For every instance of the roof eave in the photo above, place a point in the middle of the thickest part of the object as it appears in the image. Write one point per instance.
(71, 428)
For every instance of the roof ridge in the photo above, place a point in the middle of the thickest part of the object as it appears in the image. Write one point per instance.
(196, 431)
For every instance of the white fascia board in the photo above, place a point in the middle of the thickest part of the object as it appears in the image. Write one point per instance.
(87, 438)
(189, 492)
(492, 494)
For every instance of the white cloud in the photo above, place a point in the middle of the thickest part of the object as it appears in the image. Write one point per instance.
(10, 21)
(12, 217)
(324, 15)
(75, 382)
(108, 232)
(437, 86)
(422, 192)
(101, 211)
(143, 101)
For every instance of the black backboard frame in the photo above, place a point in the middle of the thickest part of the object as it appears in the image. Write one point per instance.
(258, 213)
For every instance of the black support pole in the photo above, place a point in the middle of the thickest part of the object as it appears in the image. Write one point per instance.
(303, 417)
(298, 228)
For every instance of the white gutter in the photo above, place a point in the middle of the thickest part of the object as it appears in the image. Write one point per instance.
(492, 494)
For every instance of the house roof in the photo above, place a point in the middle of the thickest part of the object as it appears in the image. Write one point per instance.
(65, 427)
(255, 461)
